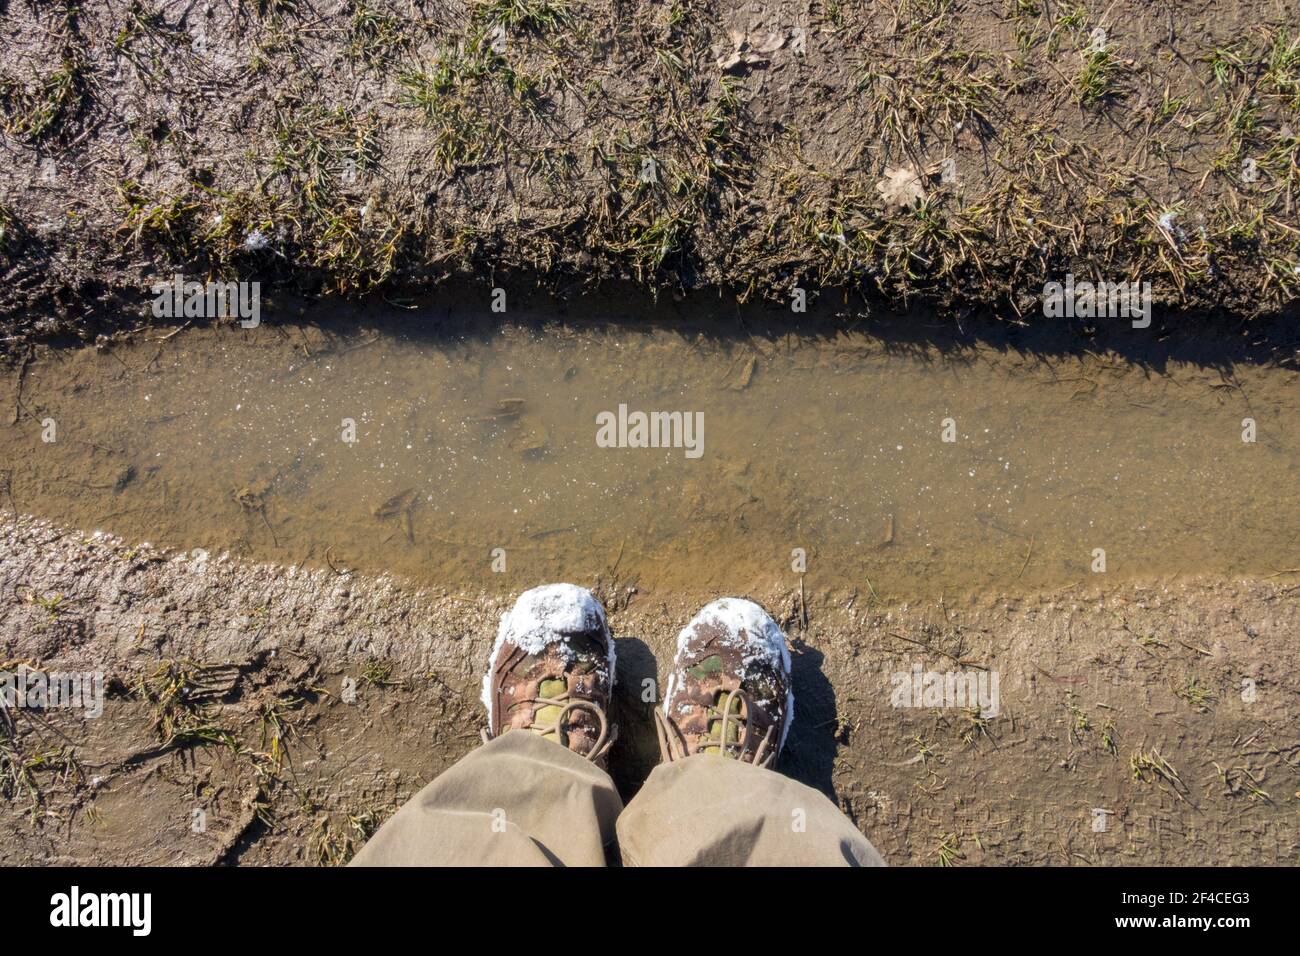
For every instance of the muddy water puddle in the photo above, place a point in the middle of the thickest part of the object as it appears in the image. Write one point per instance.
(481, 462)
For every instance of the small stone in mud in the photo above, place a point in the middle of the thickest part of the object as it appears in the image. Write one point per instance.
(508, 408)
(124, 478)
(251, 495)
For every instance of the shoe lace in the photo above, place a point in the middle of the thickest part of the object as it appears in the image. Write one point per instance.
(673, 745)
(604, 739)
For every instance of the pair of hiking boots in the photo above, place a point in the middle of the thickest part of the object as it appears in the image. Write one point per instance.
(553, 668)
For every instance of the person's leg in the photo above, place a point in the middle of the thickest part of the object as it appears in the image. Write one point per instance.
(537, 794)
(708, 810)
(714, 800)
(519, 800)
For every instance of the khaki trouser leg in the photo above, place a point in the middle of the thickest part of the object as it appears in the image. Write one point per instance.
(713, 811)
(519, 800)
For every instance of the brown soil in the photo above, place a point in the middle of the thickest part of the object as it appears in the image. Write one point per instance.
(1129, 701)
(941, 159)
(341, 145)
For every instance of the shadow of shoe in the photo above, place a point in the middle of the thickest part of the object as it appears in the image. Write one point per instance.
(809, 754)
(636, 694)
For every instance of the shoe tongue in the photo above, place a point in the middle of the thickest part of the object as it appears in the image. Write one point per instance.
(549, 714)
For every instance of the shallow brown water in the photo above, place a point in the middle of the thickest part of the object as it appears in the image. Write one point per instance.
(232, 441)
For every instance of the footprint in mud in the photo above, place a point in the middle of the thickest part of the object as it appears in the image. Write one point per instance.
(252, 498)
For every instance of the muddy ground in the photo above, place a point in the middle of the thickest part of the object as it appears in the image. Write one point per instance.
(1168, 708)
(957, 154)
(936, 159)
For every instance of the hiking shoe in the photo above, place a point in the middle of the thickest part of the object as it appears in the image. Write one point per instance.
(552, 670)
(729, 690)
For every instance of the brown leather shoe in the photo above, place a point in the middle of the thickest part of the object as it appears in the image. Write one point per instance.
(552, 671)
(729, 690)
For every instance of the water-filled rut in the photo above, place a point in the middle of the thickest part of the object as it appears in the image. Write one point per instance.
(502, 458)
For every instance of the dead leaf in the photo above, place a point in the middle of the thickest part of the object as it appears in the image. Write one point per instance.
(746, 375)
(902, 186)
(401, 502)
(531, 437)
(742, 53)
